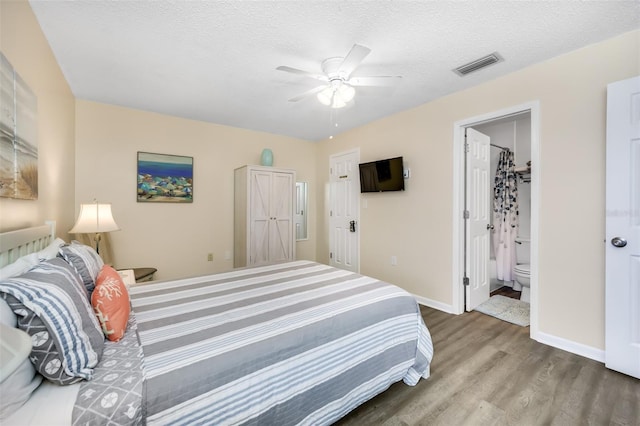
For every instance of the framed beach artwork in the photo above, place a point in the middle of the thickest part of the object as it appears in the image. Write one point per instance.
(164, 178)
(18, 135)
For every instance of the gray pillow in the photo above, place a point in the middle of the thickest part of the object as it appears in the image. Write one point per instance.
(51, 304)
(86, 262)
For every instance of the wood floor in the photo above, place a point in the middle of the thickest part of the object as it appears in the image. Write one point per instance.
(489, 372)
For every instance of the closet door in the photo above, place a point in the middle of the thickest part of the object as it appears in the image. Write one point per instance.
(260, 217)
(281, 224)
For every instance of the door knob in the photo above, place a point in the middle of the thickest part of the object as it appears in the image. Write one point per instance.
(618, 242)
(489, 226)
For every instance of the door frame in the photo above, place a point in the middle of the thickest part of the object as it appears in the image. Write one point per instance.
(458, 291)
(356, 152)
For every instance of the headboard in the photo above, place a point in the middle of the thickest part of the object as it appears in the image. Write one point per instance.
(14, 244)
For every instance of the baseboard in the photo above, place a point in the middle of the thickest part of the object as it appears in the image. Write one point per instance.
(434, 304)
(570, 346)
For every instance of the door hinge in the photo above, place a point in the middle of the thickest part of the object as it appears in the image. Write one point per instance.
(465, 214)
(465, 281)
(330, 212)
(466, 147)
(330, 255)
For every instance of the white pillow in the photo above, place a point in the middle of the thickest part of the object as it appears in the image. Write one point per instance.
(51, 250)
(20, 266)
(17, 375)
(24, 263)
(7, 316)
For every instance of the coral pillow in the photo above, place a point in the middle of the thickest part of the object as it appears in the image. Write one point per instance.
(110, 301)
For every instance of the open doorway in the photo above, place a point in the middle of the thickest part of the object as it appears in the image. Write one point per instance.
(472, 257)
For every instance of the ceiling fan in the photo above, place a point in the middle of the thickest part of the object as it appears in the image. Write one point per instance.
(338, 86)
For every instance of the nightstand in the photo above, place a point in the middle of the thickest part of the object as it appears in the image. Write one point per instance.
(143, 274)
(136, 275)
(127, 276)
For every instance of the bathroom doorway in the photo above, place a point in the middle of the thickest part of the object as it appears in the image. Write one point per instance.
(514, 130)
(511, 141)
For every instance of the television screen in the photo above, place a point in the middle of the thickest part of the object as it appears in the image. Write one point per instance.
(382, 175)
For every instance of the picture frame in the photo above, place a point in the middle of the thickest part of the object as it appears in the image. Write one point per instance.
(18, 135)
(164, 178)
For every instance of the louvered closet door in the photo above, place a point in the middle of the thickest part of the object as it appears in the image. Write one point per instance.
(281, 225)
(260, 221)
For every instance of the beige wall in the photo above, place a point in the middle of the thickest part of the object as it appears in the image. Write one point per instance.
(417, 225)
(175, 238)
(24, 45)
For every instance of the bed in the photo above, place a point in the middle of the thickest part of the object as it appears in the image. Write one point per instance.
(288, 343)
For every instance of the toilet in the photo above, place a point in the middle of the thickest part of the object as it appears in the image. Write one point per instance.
(522, 270)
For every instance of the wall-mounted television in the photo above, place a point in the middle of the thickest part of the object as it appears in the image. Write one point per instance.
(382, 175)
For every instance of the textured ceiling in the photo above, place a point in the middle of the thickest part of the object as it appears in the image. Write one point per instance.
(216, 61)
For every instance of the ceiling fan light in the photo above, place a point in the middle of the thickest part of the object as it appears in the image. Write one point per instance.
(338, 102)
(346, 92)
(325, 96)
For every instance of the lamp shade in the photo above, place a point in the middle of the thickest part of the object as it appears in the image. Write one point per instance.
(94, 218)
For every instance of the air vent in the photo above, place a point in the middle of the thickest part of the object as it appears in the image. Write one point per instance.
(478, 64)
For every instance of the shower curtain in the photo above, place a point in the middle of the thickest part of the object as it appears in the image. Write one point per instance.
(505, 216)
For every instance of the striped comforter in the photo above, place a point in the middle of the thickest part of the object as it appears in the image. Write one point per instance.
(290, 343)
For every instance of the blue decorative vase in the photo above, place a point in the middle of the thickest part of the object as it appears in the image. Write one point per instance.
(266, 159)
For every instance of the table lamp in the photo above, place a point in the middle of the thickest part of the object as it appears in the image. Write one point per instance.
(96, 218)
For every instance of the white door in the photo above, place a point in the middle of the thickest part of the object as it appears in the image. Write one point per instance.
(260, 217)
(622, 295)
(271, 217)
(479, 206)
(344, 210)
(281, 226)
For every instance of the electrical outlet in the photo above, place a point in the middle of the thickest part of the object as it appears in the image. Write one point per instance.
(394, 261)
(227, 255)
(210, 257)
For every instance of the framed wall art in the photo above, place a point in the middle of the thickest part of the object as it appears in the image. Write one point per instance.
(18, 135)
(164, 178)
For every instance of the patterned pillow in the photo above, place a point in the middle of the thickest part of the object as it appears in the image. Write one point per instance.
(110, 301)
(52, 307)
(86, 262)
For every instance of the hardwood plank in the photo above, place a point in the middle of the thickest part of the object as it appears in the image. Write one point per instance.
(486, 414)
(489, 372)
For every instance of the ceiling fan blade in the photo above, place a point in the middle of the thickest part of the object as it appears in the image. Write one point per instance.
(353, 59)
(320, 77)
(308, 93)
(381, 80)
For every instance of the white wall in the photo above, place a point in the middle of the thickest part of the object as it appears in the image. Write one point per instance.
(418, 224)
